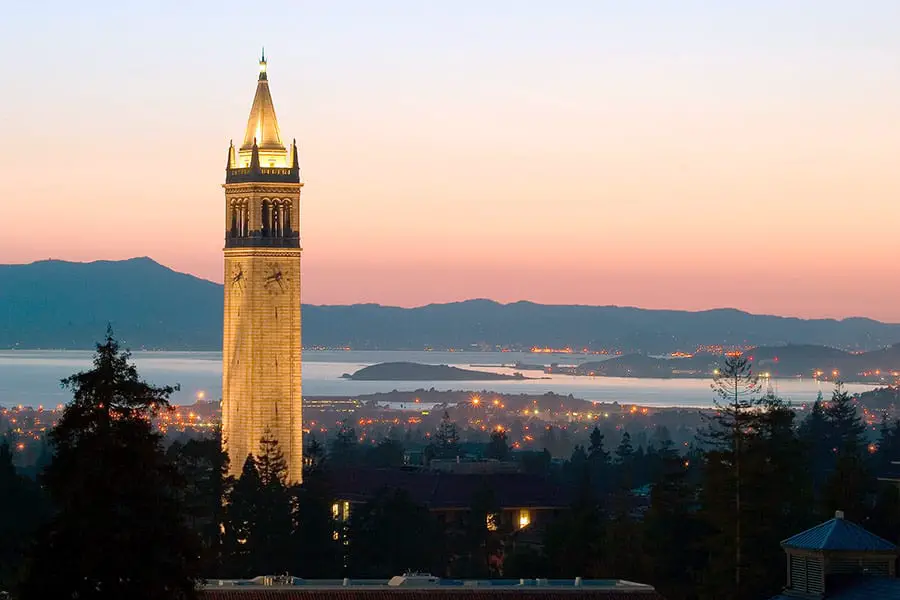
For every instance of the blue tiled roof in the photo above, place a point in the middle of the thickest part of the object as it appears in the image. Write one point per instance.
(839, 534)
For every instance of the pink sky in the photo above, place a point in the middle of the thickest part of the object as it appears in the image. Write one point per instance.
(664, 171)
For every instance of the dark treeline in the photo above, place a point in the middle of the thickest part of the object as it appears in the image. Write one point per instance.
(114, 513)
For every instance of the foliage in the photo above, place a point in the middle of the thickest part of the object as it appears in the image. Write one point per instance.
(498, 448)
(119, 530)
(23, 508)
(392, 534)
(203, 465)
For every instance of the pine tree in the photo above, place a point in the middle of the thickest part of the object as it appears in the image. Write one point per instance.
(498, 448)
(598, 464)
(243, 519)
(344, 451)
(625, 462)
(735, 418)
(318, 534)
(314, 452)
(203, 465)
(119, 529)
(23, 508)
(392, 534)
(447, 438)
(275, 525)
(813, 432)
(673, 533)
(846, 431)
(849, 483)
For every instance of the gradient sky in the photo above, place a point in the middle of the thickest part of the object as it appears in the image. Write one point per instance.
(687, 154)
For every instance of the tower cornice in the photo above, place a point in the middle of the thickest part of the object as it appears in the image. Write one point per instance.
(263, 187)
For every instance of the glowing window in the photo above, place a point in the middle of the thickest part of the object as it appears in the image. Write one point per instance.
(524, 518)
(335, 510)
(492, 522)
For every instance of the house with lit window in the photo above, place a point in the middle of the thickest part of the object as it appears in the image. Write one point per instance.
(524, 501)
(839, 560)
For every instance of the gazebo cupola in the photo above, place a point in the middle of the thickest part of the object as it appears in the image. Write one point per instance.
(824, 558)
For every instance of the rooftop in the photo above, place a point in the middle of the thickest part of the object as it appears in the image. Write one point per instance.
(430, 588)
(839, 535)
(440, 490)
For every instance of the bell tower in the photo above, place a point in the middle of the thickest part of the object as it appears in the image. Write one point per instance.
(261, 350)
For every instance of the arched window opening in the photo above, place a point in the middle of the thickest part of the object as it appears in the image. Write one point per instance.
(266, 218)
(276, 220)
(245, 219)
(287, 219)
(234, 220)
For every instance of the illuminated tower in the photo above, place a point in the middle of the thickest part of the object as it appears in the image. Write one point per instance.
(261, 351)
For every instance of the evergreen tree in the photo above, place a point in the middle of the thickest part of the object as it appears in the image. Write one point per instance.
(243, 520)
(498, 448)
(203, 464)
(849, 482)
(273, 548)
(314, 452)
(119, 529)
(598, 463)
(846, 431)
(344, 451)
(813, 432)
(777, 496)
(318, 534)
(446, 438)
(734, 420)
(392, 534)
(673, 534)
(574, 542)
(625, 461)
(23, 507)
(480, 540)
(387, 454)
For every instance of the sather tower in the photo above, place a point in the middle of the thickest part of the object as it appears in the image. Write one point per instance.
(261, 351)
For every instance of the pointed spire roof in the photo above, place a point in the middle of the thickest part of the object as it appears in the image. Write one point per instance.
(262, 124)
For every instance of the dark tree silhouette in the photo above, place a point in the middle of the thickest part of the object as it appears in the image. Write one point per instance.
(344, 450)
(23, 507)
(498, 448)
(392, 534)
(203, 464)
(736, 405)
(119, 530)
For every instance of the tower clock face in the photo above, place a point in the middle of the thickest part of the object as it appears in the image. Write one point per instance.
(237, 277)
(276, 282)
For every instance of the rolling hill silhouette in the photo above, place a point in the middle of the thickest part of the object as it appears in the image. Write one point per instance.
(58, 304)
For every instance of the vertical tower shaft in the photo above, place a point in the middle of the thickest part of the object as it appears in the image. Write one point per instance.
(261, 349)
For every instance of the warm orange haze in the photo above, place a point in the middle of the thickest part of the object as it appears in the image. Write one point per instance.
(640, 155)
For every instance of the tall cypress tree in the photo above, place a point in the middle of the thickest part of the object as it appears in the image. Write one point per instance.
(119, 530)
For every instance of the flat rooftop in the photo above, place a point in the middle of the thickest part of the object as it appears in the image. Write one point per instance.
(455, 589)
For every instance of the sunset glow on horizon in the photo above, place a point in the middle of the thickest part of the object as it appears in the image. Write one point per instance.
(644, 154)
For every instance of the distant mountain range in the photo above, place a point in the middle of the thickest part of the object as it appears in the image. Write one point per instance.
(64, 305)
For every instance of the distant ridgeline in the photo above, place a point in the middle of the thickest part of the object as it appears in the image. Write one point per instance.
(62, 305)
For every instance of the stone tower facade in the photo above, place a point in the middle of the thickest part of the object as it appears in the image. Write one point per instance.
(261, 351)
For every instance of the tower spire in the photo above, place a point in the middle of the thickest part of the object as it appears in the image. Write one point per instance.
(262, 123)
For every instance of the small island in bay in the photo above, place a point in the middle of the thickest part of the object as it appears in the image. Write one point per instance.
(408, 371)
